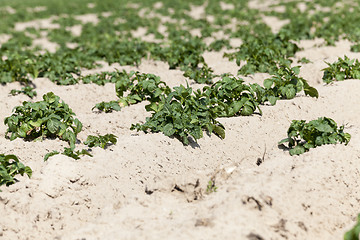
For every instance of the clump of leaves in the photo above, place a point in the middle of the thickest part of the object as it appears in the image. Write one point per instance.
(108, 106)
(342, 69)
(61, 67)
(138, 86)
(217, 45)
(186, 53)
(211, 187)
(47, 118)
(101, 141)
(106, 77)
(202, 75)
(354, 233)
(10, 166)
(263, 53)
(181, 114)
(304, 60)
(302, 136)
(284, 84)
(18, 67)
(230, 97)
(355, 48)
(27, 90)
(70, 152)
(141, 87)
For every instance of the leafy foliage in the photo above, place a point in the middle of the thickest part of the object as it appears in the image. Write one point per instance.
(230, 97)
(141, 87)
(17, 67)
(108, 106)
(61, 66)
(186, 53)
(106, 77)
(304, 60)
(100, 141)
(302, 136)
(181, 114)
(68, 152)
(27, 90)
(355, 48)
(342, 69)
(47, 118)
(284, 84)
(10, 166)
(211, 187)
(138, 86)
(263, 53)
(217, 45)
(354, 233)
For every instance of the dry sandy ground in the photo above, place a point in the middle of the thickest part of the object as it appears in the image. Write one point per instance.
(149, 186)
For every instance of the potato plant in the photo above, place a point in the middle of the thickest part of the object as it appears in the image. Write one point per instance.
(140, 87)
(181, 114)
(303, 136)
(342, 69)
(47, 118)
(10, 166)
(229, 97)
(284, 84)
(101, 140)
(27, 90)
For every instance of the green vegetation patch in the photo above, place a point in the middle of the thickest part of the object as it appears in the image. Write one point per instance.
(302, 136)
(10, 166)
(101, 140)
(48, 118)
(342, 69)
(284, 84)
(181, 114)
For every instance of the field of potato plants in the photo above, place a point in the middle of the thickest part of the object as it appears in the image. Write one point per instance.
(160, 119)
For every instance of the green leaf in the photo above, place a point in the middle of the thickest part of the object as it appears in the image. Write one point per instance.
(268, 83)
(53, 125)
(272, 100)
(290, 93)
(283, 141)
(169, 129)
(50, 154)
(219, 131)
(247, 110)
(50, 97)
(347, 137)
(311, 91)
(297, 150)
(10, 166)
(324, 127)
(78, 126)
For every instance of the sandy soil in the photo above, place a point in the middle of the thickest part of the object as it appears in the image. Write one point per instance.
(149, 186)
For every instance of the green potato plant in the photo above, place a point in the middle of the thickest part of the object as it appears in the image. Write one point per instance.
(108, 107)
(181, 114)
(284, 84)
(10, 166)
(141, 87)
(342, 69)
(231, 97)
(101, 140)
(47, 118)
(302, 136)
(27, 90)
